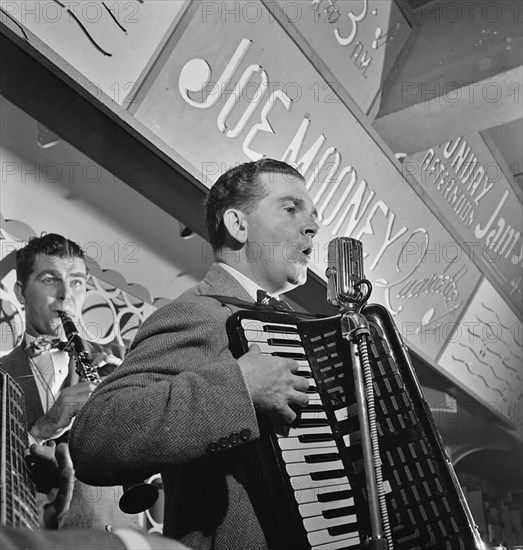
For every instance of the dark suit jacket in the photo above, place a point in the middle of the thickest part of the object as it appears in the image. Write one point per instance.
(179, 404)
(17, 365)
(91, 507)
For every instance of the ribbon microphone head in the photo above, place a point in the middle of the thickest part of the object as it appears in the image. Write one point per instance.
(345, 273)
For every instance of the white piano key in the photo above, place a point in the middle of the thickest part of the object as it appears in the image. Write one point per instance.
(316, 508)
(254, 336)
(268, 349)
(258, 326)
(314, 399)
(304, 496)
(257, 336)
(299, 455)
(295, 432)
(313, 414)
(323, 537)
(319, 522)
(300, 483)
(311, 381)
(304, 367)
(288, 443)
(352, 540)
(303, 468)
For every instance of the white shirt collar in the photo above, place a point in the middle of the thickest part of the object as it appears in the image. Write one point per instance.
(29, 339)
(49, 371)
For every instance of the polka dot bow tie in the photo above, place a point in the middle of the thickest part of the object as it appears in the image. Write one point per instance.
(45, 343)
(265, 299)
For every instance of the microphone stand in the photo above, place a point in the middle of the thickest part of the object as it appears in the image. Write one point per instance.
(345, 278)
(354, 329)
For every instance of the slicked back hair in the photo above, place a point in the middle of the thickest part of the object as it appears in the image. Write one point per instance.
(48, 245)
(241, 188)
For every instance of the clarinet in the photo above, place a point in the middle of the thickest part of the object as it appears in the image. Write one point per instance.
(76, 345)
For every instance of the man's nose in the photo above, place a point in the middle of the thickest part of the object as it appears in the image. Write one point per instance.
(311, 226)
(64, 291)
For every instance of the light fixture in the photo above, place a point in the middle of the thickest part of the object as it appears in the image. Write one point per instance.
(185, 232)
(46, 138)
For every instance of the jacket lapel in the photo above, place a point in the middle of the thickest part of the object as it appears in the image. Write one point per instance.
(19, 368)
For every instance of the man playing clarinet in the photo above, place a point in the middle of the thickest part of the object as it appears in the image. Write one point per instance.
(51, 280)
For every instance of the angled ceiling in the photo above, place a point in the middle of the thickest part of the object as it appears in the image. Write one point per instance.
(461, 73)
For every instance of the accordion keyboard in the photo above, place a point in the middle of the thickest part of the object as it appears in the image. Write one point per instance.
(316, 473)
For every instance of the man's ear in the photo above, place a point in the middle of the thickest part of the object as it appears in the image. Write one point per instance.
(235, 223)
(19, 292)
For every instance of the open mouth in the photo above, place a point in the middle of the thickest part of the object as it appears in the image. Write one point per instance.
(305, 255)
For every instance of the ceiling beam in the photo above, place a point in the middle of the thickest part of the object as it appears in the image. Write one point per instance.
(429, 123)
(462, 75)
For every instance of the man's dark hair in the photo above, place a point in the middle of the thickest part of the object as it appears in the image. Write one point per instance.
(240, 187)
(51, 244)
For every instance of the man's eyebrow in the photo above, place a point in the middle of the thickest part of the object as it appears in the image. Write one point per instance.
(300, 203)
(48, 272)
(55, 273)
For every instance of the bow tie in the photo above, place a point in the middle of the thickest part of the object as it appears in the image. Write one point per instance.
(44, 343)
(265, 299)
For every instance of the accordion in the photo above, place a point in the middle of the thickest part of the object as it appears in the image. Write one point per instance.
(310, 491)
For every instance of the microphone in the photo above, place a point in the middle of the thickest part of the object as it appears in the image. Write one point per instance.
(345, 273)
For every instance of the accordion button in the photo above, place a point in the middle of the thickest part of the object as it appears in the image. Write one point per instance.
(212, 447)
(245, 434)
(234, 438)
(223, 442)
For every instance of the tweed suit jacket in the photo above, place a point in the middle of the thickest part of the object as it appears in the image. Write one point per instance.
(179, 405)
(91, 507)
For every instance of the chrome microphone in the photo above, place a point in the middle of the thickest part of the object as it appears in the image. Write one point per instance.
(344, 273)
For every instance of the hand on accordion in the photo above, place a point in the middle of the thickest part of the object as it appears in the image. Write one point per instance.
(274, 387)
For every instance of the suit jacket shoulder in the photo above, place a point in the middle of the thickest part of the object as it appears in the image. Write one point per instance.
(178, 385)
(196, 312)
(16, 364)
